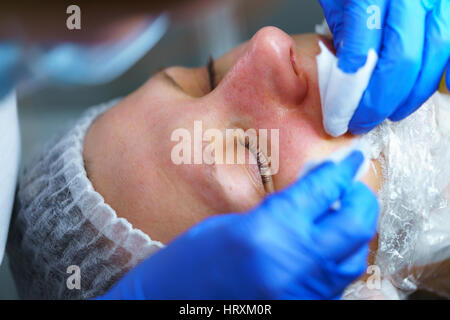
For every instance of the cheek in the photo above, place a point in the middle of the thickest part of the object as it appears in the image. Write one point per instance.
(207, 189)
(302, 140)
(237, 188)
(297, 151)
(215, 189)
(296, 147)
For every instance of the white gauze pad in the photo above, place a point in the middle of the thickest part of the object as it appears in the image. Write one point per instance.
(341, 92)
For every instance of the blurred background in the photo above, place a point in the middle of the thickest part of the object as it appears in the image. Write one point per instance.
(189, 43)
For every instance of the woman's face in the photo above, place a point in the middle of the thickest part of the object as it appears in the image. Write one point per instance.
(268, 83)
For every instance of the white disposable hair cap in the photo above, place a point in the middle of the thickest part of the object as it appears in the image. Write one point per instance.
(62, 224)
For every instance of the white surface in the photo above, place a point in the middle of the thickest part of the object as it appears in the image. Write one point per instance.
(340, 92)
(9, 163)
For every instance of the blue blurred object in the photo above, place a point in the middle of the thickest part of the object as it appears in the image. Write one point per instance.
(413, 43)
(9, 64)
(75, 64)
(92, 65)
(291, 247)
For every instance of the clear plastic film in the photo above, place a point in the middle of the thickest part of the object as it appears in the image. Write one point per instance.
(414, 226)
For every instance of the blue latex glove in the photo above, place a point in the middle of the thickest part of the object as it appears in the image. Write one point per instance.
(413, 45)
(292, 246)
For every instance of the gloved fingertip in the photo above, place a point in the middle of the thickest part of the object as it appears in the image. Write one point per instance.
(354, 160)
(359, 129)
(398, 116)
(410, 106)
(371, 206)
(350, 63)
(355, 264)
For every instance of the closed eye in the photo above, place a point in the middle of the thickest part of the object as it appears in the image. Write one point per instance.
(172, 81)
(263, 167)
(195, 82)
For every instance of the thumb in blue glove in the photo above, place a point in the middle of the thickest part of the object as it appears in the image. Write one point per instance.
(292, 246)
(413, 56)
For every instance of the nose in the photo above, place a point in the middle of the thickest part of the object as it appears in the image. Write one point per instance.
(268, 72)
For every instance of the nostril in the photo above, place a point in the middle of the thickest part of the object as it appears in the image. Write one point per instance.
(293, 58)
(300, 84)
(294, 64)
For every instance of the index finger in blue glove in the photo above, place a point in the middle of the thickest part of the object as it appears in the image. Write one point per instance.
(436, 55)
(357, 37)
(334, 12)
(315, 193)
(398, 67)
(340, 234)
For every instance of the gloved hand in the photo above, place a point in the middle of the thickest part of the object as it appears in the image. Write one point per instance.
(413, 45)
(292, 246)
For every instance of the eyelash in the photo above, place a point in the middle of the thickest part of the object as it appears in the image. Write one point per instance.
(263, 167)
(211, 73)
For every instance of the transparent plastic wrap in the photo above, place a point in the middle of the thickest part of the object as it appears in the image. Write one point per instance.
(414, 226)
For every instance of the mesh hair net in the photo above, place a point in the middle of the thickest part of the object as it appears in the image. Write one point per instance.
(61, 221)
(414, 226)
